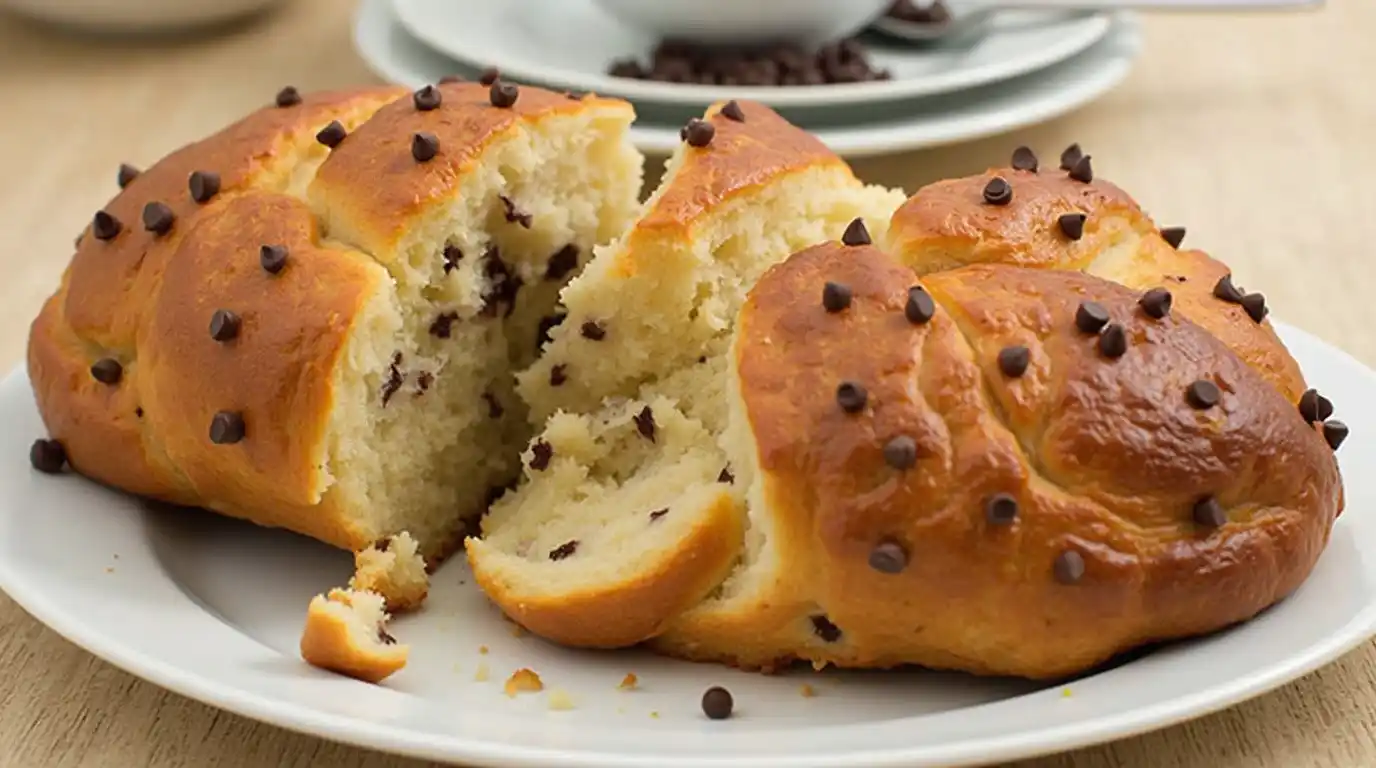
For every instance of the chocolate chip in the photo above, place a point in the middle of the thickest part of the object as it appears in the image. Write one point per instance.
(547, 324)
(1335, 432)
(332, 135)
(1314, 406)
(503, 285)
(204, 186)
(1070, 567)
(540, 455)
(513, 214)
(423, 381)
(158, 218)
(1072, 225)
(1156, 303)
(717, 703)
(424, 147)
(1255, 304)
(452, 257)
(1013, 361)
(564, 261)
(698, 132)
(427, 98)
(835, 297)
(1173, 235)
(1000, 509)
(1113, 342)
(920, 307)
(107, 370)
(1202, 394)
(725, 476)
(226, 427)
(851, 397)
(47, 456)
(901, 452)
(888, 557)
(1091, 317)
(645, 423)
(1071, 156)
(394, 379)
(451, 80)
(558, 375)
(1024, 159)
(592, 331)
(573, 95)
(385, 637)
(823, 628)
(856, 234)
(732, 111)
(1083, 171)
(564, 550)
(658, 513)
(494, 406)
(442, 326)
(224, 325)
(127, 174)
(1208, 513)
(288, 97)
(382, 545)
(998, 191)
(273, 258)
(1225, 290)
(503, 95)
(138, 412)
(489, 75)
(105, 227)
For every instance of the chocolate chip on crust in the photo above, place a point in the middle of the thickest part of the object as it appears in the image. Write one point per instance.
(1113, 342)
(1314, 406)
(1225, 290)
(272, 258)
(851, 397)
(1001, 509)
(503, 95)
(1173, 235)
(1072, 225)
(1024, 159)
(998, 191)
(107, 370)
(901, 452)
(1156, 303)
(888, 557)
(1335, 432)
(1208, 513)
(823, 628)
(1013, 361)
(427, 98)
(332, 135)
(47, 456)
(1255, 304)
(288, 97)
(204, 185)
(424, 146)
(1069, 567)
(1083, 171)
(856, 234)
(1202, 394)
(836, 297)
(698, 133)
(732, 111)
(126, 175)
(1071, 156)
(564, 550)
(158, 218)
(224, 325)
(226, 427)
(1091, 317)
(105, 227)
(920, 307)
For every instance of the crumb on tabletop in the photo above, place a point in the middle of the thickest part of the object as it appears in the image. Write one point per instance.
(523, 680)
(807, 691)
(559, 700)
(481, 673)
(109, 570)
(482, 650)
(629, 682)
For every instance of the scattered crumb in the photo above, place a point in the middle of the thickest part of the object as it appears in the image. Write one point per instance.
(456, 667)
(629, 682)
(523, 680)
(654, 714)
(481, 674)
(517, 630)
(1065, 693)
(116, 557)
(807, 691)
(109, 570)
(560, 700)
(620, 710)
(482, 649)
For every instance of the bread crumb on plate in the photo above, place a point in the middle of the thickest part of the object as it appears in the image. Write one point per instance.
(481, 673)
(560, 700)
(629, 682)
(523, 680)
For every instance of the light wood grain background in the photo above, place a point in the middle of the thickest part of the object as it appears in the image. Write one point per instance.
(1259, 134)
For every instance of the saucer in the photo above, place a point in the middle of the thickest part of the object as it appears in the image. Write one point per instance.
(391, 52)
(569, 44)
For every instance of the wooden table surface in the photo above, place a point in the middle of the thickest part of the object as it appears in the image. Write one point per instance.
(1259, 134)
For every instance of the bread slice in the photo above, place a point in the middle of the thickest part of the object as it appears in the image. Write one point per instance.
(628, 515)
(324, 335)
(346, 632)
(395, 569)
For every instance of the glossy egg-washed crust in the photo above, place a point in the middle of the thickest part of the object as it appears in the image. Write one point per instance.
(146, 301)
(1105, 457)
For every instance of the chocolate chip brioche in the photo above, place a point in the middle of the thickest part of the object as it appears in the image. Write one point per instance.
(627, 517)
(1034, 435)
(310, 319)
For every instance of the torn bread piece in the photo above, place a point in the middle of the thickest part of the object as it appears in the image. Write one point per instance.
(346, 632)
(394, 568)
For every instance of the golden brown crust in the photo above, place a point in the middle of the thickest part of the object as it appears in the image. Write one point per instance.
(331, 641)
(465, 124)
(1105, 457)
(624, 613)
(948, 224)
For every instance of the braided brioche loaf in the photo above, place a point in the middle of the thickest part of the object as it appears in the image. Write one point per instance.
(310, 319)
(1026, 434)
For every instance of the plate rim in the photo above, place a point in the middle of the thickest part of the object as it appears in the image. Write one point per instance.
(26, 589)
(1096, 26)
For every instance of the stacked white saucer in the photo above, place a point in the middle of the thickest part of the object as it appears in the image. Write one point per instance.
(1027, 67)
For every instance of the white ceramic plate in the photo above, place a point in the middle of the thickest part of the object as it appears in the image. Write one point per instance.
(569, 44)
(212, 608)
(853, 132)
